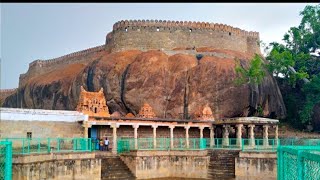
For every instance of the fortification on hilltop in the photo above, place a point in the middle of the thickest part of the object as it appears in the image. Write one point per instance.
(4, 93)
(167, 35)
(39, 66)
(155, 35)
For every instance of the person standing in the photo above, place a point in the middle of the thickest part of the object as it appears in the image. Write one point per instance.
(101, 144)
(106, 143)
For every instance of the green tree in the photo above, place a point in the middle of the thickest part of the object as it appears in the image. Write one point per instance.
(312, 96)
(253, 75)
(298, 59)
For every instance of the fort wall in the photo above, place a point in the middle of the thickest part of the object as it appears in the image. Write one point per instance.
(167, 35)
(4, 93)
(156, 34)
(38, 67)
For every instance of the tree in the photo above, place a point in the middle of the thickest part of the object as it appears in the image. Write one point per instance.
(306, 37)
(253, 75)
(297, 60)
(312, 96)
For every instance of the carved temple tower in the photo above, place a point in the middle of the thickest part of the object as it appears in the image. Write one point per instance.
(146, 111)
(93, 103)
(205, 114)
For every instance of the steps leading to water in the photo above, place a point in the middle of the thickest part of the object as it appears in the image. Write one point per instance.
(115, 168)
(222, 164)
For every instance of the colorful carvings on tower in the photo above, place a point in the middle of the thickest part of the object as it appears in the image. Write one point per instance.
(146, 111)
(93, 103)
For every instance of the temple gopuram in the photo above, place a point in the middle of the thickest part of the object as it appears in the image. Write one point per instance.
(93, 103)
(145, 124)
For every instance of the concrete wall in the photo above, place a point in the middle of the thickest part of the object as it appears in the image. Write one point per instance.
(80, 166)
(256, 166)
(15, 123)
(161, 164)
(45, 129)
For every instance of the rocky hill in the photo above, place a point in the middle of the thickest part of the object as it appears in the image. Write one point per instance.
(171, 84)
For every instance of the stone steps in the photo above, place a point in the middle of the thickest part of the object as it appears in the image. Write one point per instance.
(115, 168)
(222, 164)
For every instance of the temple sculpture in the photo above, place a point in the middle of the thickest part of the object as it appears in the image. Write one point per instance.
(146, 111)
(93, 103)
(204, 114)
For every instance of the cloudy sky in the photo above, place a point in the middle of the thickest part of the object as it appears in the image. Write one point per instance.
(44, 31)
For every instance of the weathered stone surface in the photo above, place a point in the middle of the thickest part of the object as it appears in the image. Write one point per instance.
(256, 166)
(171, 85)
(165, 164)
(4, 93)
(56, 166)
(115, 168)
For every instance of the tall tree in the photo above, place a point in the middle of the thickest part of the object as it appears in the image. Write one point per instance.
(298, 59)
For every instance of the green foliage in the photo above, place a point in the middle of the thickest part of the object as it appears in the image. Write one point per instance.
(253, 75)
(279, 61)
(260, 110)
(312, 93)
(294, 77)
(306, 37)
(295, 61)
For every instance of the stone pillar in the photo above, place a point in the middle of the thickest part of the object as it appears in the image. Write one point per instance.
(187, 136)
(135, 128)
(201, 132)
(171, 136)
(265, 135)
(212, 137)
(225, 141)
(252, 140)
(85, 130)
(276, 135)
(239, 134)
(114, 126)
(155, 136)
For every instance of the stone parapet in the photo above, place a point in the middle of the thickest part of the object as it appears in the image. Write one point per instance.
(62, 59)
(7, 90)
(79, 166)
(256, 166)
(164, 164)
(34, 158)
(182, 25)
(169, 35)
(40, 66)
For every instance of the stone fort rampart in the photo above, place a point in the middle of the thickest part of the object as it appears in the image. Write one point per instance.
(40, 66)
(7, 90)
(4, 93)
(160, 35)
(167, 35)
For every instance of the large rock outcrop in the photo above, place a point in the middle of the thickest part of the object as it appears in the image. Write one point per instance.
(176, 86)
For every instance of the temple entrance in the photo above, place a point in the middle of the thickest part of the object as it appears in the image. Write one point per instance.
(93, 134)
